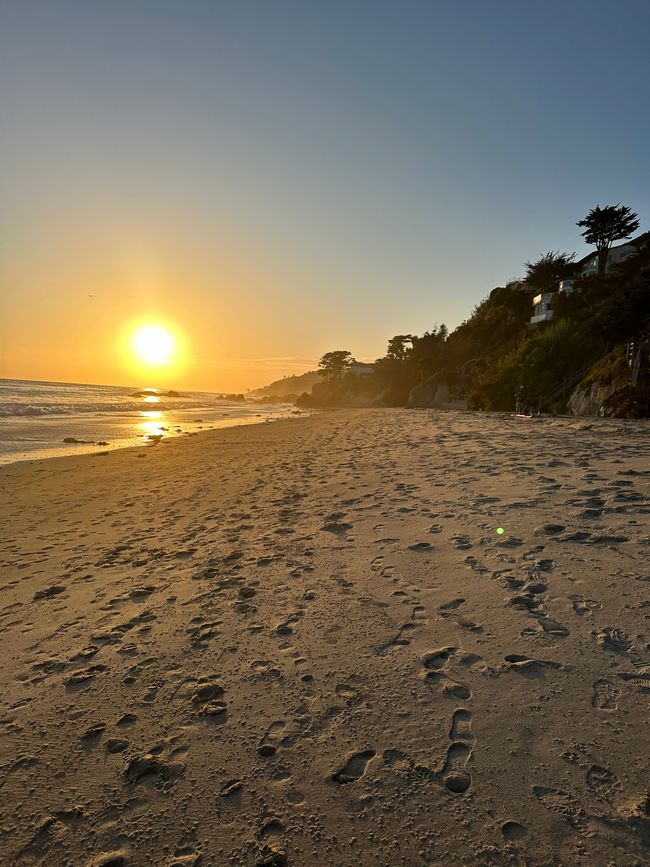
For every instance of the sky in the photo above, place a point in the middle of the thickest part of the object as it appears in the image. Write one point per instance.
(275, 179)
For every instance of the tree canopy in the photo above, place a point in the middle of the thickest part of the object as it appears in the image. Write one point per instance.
(546, 272)
(334, 364)
(603, 226)
(398, 346)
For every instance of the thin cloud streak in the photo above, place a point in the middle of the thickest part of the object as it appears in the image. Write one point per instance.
(253, 363)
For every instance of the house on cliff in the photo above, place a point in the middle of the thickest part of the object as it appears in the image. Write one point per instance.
(361, 370)
(585, 267)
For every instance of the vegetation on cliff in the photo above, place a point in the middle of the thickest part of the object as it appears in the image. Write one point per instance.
(288, 386)
(495, 352)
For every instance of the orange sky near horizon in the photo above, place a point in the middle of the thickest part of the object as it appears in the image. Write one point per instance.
(72, 325)
(95, 346)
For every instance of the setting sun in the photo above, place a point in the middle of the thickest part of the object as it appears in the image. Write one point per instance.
(153, 344)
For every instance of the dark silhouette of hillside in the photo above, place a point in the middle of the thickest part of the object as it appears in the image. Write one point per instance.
(288, 386)
(599, 327)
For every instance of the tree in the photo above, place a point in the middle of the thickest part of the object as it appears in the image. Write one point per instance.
(603, 226)
(545, 274)
(427, 354)
(334, 364)
(397, 347)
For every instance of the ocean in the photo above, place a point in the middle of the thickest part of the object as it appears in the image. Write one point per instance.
(36, 417)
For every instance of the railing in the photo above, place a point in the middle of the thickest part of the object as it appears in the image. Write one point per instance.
(560, 390)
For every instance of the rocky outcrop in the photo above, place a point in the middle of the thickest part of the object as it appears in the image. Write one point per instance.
(232, 398)
(611, 398)
(425, 393)
(278, 398)
(628, 402)
(328, 394)
(608, 376)
(351, 391)
(588, 399)
(434, 393)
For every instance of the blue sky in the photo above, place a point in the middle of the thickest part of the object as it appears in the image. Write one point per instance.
(286, 178)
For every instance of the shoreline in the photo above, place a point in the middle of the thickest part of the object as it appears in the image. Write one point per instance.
(308, 644)
(87, 447)
(572, 422)
(40, 420)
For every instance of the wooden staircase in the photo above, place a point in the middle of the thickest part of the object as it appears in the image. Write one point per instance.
(561, 390)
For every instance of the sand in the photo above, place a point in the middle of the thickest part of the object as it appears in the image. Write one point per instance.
(306, 643)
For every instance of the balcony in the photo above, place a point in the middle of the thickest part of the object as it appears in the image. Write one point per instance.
(541, 317)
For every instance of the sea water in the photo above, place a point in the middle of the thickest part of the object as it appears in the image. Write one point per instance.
(36, 417)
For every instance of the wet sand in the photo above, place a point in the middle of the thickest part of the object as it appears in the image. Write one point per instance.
(306, 643)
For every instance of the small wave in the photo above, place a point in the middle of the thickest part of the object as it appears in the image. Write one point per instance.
(22, 410)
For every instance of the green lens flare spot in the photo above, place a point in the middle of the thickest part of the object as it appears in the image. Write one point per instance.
(500, 531)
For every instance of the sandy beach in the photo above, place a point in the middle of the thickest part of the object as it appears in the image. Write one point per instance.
(309, 643)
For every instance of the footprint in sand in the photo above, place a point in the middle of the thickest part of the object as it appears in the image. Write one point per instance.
(552, 627)
(350, 691)
(461, 726)
(472, 661)
(401, 639)
(421, 546)
(152, 770)
(354, 768)
(462, 543)
(268, 744)
(565, 805)
(230, 788)
(603, 783)
(434, 661)
(605, 695)
(454, 775)
(333, 524)
(419, 613)
(448, 609)
(206, 695)
(184, 854)
(641, 680)
(526, 665)
(613, 638)
(549, 530)
(295, 797)
(286, 627)
(203, 633)
(584, 606)
(49, 592)
(452, 688)
(84, 677)
(513, 830)
(451, 605)
(91, 736)
(397, 759)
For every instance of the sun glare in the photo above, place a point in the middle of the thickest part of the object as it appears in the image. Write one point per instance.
(154, 344)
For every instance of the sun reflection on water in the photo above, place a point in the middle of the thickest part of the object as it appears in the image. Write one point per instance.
(153, 422)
